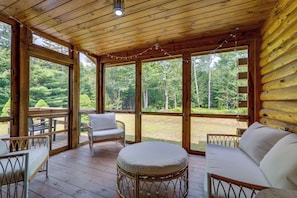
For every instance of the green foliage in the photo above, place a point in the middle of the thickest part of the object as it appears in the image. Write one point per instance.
(214, 85)
(48, 81)
(5, 42)
(41, 103)
(5, 109)
(150, 109)
(120, 88)
(213, 82)
(84, 118)
(4, 76)
(162, 84)
(85, 102)
(219, 111)
(87, 83)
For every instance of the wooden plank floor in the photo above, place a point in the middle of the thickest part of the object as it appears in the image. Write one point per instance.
(75, 173)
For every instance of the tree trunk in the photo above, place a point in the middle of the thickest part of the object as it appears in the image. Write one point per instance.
(118, 100)
(166, 99)
(209, 89)
(145, 98)
(196, 86)
(175, 100)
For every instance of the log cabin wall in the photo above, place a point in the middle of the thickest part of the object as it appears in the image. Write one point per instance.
(278, 68)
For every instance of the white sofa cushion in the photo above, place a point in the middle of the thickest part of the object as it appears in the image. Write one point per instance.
(103, 121)
(36, 158)
(3, 148)
(233, 163)
(280, 163)
(258, 139)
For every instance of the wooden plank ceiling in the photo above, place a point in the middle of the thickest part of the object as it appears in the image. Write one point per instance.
(92, 27)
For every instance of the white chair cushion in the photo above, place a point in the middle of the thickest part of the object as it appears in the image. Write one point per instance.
(103, 121)
(258, 139)
(109, 133)
(3, 148)
(280, 163)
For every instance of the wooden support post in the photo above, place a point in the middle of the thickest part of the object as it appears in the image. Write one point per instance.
(15, 80)
(74, 90)
(138, 106)
(186, 139)
(100, 74)
(25, 40)
(254, 86)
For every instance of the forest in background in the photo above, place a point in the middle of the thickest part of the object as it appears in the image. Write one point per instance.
(214, 83)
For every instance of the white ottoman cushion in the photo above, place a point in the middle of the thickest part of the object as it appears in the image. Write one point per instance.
(152, 158)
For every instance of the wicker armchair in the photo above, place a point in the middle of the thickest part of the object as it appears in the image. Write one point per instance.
(21, 158)
(104, 127)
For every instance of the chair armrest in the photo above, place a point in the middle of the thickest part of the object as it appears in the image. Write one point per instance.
(11, 165)
(120, 124)
(89, 129)
(228, 140)
(219, 186)
(41, 123)
(26, 143)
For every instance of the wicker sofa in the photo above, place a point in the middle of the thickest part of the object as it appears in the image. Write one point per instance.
(261, 158)
(21, 158)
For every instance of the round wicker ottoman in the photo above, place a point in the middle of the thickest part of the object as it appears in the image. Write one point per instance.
(152, 169)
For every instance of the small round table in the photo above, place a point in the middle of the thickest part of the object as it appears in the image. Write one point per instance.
(152, 169)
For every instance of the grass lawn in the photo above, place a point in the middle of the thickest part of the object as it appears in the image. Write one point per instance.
(169, 128)
(4, 128)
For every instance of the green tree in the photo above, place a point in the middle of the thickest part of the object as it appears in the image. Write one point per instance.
(6, 109)
(200, 78)
(5, 35)
(150, 76)
(5, 67)
(120, 87)
(48, 81)
(41, 103)
(85, 102)
(162, 85)
(175, 82)
(88, 79)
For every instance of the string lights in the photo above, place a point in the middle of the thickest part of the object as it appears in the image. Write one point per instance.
(156, 46)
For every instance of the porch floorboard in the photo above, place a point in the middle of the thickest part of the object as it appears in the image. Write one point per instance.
(74, 173)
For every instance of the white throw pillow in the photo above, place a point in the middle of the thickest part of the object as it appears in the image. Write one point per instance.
(103, 121)
(3, 148)
(258, 139)
(280, 163)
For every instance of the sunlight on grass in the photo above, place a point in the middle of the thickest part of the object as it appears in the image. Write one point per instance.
(162, 128)
(167, 128)
(200, 127)
(4, 128)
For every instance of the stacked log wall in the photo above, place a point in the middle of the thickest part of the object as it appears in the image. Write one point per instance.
(278, 67)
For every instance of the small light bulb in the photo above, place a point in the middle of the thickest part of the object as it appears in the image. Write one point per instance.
(118, 12)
